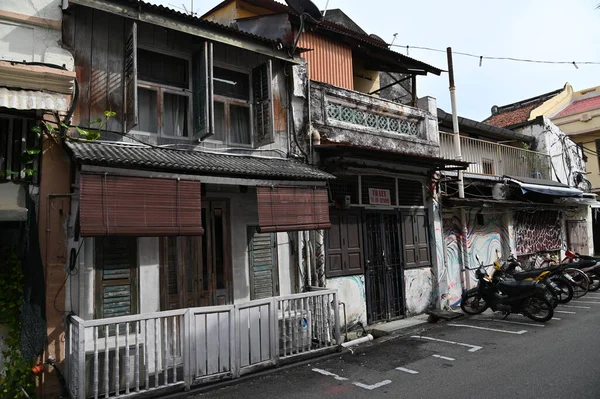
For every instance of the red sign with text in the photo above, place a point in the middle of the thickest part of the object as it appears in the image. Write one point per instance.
(379, 196)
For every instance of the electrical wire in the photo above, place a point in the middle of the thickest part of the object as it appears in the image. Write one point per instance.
(484, 57)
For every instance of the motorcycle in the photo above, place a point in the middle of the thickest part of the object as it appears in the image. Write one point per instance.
(591, 267)
(527, 297)
(559, 288)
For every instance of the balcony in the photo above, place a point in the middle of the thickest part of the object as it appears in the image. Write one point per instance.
(348, 117)
(492, 159)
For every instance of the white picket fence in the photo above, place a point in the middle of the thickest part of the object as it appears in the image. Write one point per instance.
(130, 355)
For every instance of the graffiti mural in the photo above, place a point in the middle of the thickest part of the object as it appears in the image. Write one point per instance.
(537, 231)
(419, 289)
(482, 239)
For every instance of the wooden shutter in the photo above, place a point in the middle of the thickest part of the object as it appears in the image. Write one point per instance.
(116, 276)
(264, 278)
(130, 74)
(415, 239)
(141, 207)
(262, 78)
(202, 85)
(344, 244)
(292, 209)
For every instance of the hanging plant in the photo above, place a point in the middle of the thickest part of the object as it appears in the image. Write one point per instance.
(17, 379)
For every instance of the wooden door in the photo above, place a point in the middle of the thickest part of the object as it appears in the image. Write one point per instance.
(180, 272)
(415, 239)
(343, 243)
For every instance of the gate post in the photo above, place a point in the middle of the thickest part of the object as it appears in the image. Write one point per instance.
(235, 349)
(188, 335)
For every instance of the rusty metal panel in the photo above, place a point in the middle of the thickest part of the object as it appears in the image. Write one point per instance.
(141, 207)
(328, 61)
(292, 209)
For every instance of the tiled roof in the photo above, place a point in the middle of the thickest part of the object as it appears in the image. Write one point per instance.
(519, 112)
(577, 107)
(191, 162)
(516, 116)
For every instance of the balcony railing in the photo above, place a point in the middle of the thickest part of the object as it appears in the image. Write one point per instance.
(492, 159)
(349, 117)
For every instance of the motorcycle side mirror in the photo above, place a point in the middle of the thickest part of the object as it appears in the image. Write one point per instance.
(477, 257)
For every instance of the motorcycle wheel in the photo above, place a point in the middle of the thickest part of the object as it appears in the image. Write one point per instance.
(472, 303)
(594, 277)
(538, 308)
(580, 282)
(565, 293)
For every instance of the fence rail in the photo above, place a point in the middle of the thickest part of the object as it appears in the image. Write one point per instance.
(130, 355)
(489, 158)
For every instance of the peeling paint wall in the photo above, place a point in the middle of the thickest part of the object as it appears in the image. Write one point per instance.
(351, 291)
(418, 286)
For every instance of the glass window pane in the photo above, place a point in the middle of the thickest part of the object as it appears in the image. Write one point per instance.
(240, 124)
(219, 248)
(220, 124)
(231, 84)
(175, 115)
(147, 110)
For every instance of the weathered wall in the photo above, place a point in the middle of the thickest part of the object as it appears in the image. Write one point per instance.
(351, 291)
(418, 288)
(54, 209)
(564, 153)
(30, 31)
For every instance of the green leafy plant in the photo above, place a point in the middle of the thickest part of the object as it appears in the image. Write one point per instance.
(60, 131)
(17, 380)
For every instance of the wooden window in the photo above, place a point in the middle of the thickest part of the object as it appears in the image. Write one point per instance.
(344, 244)
(415, 239)
(116, 276)
(232, 106)
(262, 256)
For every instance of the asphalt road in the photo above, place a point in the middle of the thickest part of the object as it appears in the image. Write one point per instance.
(483, 358)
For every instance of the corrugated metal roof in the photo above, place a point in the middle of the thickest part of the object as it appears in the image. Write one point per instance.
(191, 162)
(28, 100)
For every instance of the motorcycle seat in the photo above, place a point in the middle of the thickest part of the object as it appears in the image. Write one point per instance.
(529, 274)
(516, 286)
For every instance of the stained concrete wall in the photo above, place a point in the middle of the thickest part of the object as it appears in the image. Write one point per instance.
(351, 291)
(30, 31)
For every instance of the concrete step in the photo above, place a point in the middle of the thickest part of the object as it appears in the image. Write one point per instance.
(396, 326)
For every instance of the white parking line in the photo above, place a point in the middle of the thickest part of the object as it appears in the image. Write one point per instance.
(474, 348)
(575, 307)
(444, 357)
(409, 371)
(327, 373)
(518, 322)
(556, 318)
(596, 303)
(374, 386)
(564, 311)
(489, 329)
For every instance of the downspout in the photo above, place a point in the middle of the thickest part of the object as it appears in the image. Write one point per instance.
(461, 184)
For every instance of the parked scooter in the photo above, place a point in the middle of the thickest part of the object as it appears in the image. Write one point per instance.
(551, 277)
(592, 270)
(526, 297)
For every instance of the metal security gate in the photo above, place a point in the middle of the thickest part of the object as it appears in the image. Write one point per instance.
(383, 263)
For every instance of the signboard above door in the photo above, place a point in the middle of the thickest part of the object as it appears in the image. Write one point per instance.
(379, 196)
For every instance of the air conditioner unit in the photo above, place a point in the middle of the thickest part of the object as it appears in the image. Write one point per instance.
(89, 370)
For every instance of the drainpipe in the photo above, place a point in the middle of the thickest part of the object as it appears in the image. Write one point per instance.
(461, 184)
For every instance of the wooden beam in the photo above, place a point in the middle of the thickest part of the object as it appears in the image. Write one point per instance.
(30, 20)
(167, 21)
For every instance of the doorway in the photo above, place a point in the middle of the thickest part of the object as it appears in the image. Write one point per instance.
(383, 264)
(196, 271)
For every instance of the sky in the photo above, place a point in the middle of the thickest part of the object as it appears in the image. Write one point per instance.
(553, 30)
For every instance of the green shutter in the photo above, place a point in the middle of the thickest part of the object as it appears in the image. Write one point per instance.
(263, 104)
(116, 270)
(264, 279)
(202, 85)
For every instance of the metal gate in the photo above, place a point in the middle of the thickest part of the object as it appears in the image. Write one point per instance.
(383, 261)
(577, 236)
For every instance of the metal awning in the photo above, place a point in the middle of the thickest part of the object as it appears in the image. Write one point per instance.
(542, 186)
(32, 100)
